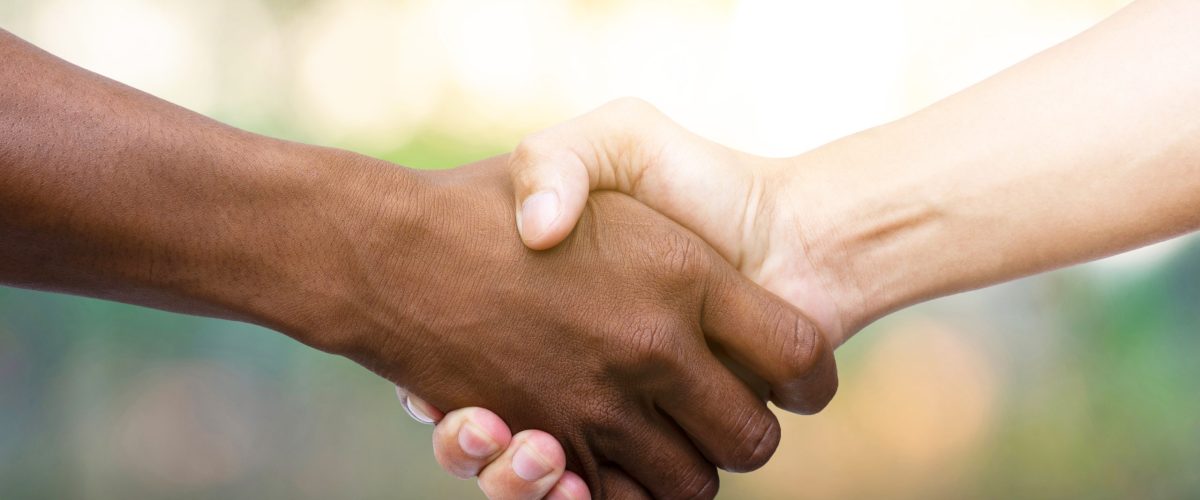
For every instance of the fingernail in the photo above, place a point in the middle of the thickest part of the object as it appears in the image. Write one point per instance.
(424, 408)
(475, 442)
(413, 410)
(416, 412)
(538, 212)
(560, 493)
(529, 464)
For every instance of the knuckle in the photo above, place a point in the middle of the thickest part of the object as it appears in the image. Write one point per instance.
(800, 346)
(503, 485)
(698, 482)
(807, 383)
(542, 156)
(653, 345)
(824, 394)
(530, 144)
(531, 150)
(684, 256)
(450, 457)
(757, 438)
(608, 421)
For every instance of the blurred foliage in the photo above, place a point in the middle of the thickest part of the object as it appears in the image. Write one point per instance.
(1079, 383)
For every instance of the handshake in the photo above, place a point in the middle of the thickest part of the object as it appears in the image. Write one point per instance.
(658, 289)
(635, 328)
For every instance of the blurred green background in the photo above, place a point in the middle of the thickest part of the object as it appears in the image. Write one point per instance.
(1079, 383)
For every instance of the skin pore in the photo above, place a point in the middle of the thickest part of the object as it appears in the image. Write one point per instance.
(1088, 149)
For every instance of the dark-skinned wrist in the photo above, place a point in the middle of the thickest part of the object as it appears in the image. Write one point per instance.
(327, 236)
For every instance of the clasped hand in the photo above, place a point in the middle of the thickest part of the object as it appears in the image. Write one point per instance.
(622, 376)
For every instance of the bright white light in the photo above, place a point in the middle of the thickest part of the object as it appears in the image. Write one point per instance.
(372, 72)
(811, 72)
(506, 57)
(665, 54)
(494, 47)
(957, 44)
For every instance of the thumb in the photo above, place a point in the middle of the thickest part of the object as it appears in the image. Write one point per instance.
(550, 189)
(554, 170)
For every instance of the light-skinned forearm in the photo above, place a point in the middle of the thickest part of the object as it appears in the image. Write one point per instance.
(1086, 150)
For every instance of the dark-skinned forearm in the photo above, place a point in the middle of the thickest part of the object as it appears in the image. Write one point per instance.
(109, 192)
(112, 193)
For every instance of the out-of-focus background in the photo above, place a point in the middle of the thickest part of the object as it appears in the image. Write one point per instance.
(1080, 383)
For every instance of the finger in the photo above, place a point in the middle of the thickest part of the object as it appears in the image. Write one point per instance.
(773, 340)
(728, 422)
(570, 487)
(527, 470)
(663, 460)
(468, 439)
(551, 186)
(553, 170)
(418, 408)
(615, 484)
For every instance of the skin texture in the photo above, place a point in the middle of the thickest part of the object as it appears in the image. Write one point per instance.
(1085, 150)
(603, 341)
(620, 338)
